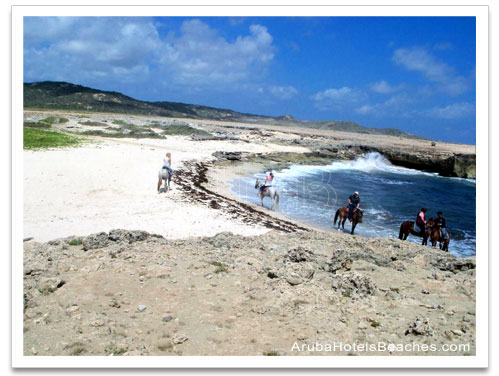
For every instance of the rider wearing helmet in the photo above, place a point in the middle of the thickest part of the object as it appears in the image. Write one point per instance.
(353, 204)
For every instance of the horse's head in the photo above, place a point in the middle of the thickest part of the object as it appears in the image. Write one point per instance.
(258, 184)
(359, 213)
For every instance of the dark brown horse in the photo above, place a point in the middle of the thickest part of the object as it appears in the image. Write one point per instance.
(342, 213)
(407, 228)
(435, 235)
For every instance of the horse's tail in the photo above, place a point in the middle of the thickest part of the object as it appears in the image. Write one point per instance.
(336, 216)
(401, 233)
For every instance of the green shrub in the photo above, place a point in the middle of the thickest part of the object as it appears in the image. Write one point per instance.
(181, 130)
(40, 138)
(76, 241)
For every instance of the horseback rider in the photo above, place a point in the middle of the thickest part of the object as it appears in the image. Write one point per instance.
(421, 221)
(441, 225)
(167, 163)
(353, 204)
(267, 183)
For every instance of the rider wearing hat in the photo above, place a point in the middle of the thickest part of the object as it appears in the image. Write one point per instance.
(353, 204)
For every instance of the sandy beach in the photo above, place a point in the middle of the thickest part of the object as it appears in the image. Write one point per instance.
(110, 184)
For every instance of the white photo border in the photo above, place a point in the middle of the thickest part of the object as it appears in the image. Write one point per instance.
(19, 360)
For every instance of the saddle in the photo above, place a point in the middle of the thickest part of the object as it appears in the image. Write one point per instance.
(444, 235)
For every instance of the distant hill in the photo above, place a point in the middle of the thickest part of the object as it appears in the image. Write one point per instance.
(67, 96)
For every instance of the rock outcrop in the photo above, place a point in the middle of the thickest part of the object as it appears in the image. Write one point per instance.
(133, 293)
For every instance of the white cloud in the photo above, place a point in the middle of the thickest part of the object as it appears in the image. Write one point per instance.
(453, 111)
(383, 87)
(444, 76)
(130, 49)
(337, 98)
(76, 49)
(396, 105)
(199, 56)
(283, 92)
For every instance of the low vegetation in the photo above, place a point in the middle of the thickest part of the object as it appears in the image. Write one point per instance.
(130, 130)
(76, 241)
(93, 123)
(181, 129)
(34, 138)
(221, 267)
(34, 124)
(54, 120)
(121, 134)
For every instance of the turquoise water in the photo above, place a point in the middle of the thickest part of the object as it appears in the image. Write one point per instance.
(389, 195)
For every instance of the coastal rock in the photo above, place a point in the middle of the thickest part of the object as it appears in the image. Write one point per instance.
(300, 254)
(420, 327)
(447, 262)
(119, 235)
(350, 283)
(343, 259)
(340, 260)
(95, 241)
(49, 285)
(103, 239)
(229, 156)
(288, 282)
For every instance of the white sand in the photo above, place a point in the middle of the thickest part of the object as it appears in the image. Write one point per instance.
(112, 184)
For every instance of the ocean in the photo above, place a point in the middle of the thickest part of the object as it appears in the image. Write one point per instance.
(389, 196)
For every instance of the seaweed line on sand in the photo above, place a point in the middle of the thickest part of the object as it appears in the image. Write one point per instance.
(191, 180)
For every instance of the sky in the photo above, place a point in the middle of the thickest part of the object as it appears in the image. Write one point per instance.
(416, 74)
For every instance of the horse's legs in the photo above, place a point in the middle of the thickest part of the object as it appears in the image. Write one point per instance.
(353, 227)
(159, 184)
(343, 223)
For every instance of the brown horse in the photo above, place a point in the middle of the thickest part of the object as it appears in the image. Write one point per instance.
(435, 235)
(407, 228)
(343, 214)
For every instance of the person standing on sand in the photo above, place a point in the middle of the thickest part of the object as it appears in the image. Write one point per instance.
(167, 163)
(353, 205)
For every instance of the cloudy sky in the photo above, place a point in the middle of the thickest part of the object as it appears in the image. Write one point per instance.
(416, 74)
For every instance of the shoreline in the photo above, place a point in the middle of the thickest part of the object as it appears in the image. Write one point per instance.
(239, 155)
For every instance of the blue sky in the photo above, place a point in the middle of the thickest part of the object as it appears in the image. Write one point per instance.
(416, 74)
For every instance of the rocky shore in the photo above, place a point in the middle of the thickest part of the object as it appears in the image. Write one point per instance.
(135, 293)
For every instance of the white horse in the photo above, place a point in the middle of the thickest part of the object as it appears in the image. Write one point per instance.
(267, 192)
(164, 174)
